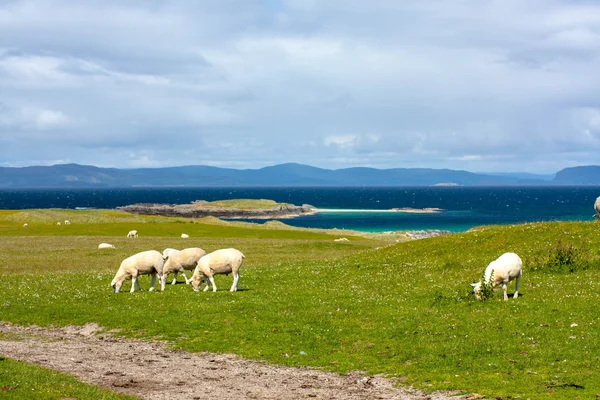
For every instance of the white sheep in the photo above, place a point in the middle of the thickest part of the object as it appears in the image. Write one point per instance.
(132, 234)
(67, 222)
(147, 262)
(180, 261)
(58, 223)
(185, 236)
(25, 225)
(505, 268)
(106, 246)
(597, 208)
(224, 261)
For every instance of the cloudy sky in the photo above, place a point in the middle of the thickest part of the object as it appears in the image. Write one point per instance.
(495, 85)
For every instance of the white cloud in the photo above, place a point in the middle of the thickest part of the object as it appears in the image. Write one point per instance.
(332, 83)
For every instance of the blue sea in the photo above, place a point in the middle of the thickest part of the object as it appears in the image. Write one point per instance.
(464, 207)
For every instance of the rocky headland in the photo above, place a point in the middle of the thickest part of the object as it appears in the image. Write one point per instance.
(201, 208)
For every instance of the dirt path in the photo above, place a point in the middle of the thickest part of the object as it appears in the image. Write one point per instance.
(151, 371)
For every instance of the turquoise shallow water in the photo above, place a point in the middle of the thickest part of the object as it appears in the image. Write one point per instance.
(464, 207)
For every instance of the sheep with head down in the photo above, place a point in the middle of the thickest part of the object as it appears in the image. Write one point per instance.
(597, 208)
(180, 261)
(504, 269)
(219, 262)
(144, 263)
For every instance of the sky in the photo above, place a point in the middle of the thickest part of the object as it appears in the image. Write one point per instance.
(482, 86)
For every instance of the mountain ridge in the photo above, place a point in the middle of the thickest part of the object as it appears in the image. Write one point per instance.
(281, 175)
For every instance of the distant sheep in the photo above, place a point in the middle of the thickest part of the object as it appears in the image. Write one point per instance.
(185, 236)
(67, 222)
(106, 246)
(180, 261)
(224, 261)
(505, 268)
(597, 208)
(25, 225)
(144, 263)
(58, 223)
(341, 240)
(132, 234)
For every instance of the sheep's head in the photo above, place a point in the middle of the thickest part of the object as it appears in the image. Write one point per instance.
(196, 282)
(477, 290)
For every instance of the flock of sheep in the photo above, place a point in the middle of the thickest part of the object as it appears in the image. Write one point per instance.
(151, 262)
(504, 269)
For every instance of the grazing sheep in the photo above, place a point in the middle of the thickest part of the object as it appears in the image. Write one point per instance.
(224, 261)
(505, 268)
(180, 261)
(67, 222)
(25, 225)
(597, 208)
(106, 246)
(58, 223)
(185, 236)
(132, 234)
(147, 262)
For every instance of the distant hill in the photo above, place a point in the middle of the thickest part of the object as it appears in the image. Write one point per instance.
(584, 175)
(85, 176)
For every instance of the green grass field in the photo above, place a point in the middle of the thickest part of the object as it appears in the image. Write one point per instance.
(399, 309)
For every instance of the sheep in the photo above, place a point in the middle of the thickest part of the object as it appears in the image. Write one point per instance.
(25, 225)
(185, 236)
(106, 246)
(597, 208)
(67, 222)
(132, 234)
(505, 268)
(180, 261)
(224, 261)
(147, 262)
(58, 223)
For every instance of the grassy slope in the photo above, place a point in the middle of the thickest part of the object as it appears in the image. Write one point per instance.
(246, 204)
(20, 380)
(402, 310)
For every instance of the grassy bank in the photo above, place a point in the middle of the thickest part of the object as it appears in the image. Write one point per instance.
(20, 380)
(403, 309)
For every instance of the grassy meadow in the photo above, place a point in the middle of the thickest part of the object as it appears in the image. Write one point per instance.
(400, 309)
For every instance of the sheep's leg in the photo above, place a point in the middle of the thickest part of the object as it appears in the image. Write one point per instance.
(163, 281)
(174, 278)
(236, 278)
(133, 283)
(504, 290)
(187, 281)
(517, 287)
(212, 280)
(207, 283)
(153, 281)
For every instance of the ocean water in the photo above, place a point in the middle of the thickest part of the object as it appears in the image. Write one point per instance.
(464, 207)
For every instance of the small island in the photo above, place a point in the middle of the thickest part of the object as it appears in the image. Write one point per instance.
(237, 208)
